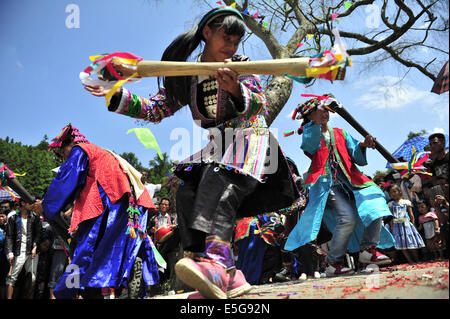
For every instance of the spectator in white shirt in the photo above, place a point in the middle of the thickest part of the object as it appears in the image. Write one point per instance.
(152, 188)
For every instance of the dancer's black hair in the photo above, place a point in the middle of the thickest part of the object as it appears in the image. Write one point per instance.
(178, 88)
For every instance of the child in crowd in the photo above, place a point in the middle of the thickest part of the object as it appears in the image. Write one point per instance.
(407, 238)
(429, 222)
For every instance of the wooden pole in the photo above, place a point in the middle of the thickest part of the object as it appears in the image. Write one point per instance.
(349, 118)
(294, 67)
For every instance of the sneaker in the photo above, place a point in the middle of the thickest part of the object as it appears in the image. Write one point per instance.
(196, 295)
(282, 276)
(338, 269)
(210, 279)
(238, 286)
(372, 256)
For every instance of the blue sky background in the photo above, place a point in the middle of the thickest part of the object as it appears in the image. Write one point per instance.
(41, 59)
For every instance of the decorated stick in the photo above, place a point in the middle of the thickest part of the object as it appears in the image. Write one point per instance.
(119, 68)
(295, 67)
(58, 225)
(18, 188)
(339, 109)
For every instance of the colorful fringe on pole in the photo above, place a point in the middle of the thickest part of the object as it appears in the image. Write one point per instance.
(103, 65)
(328, 65)
(414, 165)
(134, 228)
(4, 179)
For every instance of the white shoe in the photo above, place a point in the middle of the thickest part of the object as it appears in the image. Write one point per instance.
(316, 275)
(338, 269)
(302, 277)
(372, 256)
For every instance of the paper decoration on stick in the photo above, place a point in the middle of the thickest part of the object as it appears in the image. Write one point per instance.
(103, 65)
(329, 65)
(159, 259)
(414, 165)
(233, 5)
(286, 134)
(256, 15)
(334, 16)
(147, 139)
(310, 36)
(347, 4)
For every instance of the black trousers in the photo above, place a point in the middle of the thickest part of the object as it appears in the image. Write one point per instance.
(310, 263)
(208, 203)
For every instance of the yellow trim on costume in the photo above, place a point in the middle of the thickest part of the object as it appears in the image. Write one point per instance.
(116, 86)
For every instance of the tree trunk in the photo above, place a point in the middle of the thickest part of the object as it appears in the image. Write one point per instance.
(277, 94)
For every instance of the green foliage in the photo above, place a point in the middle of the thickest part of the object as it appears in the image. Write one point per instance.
(157, 174)
(133, 160)
(36, 161)
(412, 134)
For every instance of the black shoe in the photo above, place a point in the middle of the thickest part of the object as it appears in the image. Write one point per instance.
(282, 276)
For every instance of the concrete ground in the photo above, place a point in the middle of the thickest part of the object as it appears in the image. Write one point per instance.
(426, 280)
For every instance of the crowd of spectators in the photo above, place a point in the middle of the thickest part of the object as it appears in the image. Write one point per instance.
(33, 257)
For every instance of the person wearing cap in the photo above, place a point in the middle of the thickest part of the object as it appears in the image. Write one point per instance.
(350, 204)
(240, 172)
(110, 204)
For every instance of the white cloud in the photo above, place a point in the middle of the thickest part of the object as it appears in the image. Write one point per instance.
(333, 117)
(425, 50)
(389, 92)
(289, 115)
(438, 130)
(438, 106)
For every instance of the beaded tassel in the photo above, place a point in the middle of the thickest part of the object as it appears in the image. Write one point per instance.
(133, 226)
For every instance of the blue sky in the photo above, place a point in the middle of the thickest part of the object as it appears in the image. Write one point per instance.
(41, 58)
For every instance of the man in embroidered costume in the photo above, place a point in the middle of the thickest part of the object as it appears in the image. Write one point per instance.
(351, 204)
(110, 205)
(235, 175)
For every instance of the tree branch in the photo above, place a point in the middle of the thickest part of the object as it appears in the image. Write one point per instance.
(389, 50)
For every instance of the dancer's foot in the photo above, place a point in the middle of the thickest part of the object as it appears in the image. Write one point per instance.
(372, 256)
(338, 269)
(209, 278)
(238, 286)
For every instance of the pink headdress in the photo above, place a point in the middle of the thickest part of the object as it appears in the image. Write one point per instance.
(68, 133)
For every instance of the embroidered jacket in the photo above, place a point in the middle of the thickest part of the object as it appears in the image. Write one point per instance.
(227, 112)
(248, 151)
(105, 170)
(320, 163)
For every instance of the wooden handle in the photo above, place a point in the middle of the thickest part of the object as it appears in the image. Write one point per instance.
(294, 67)
(350, 119)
